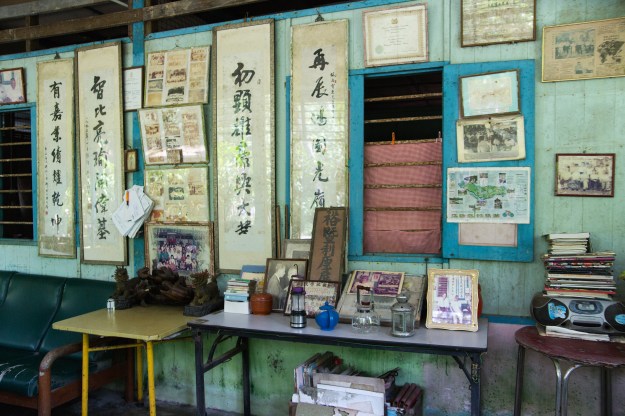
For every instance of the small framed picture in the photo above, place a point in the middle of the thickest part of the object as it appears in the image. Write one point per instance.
(585, 174)
(130, 160)
(278, 275)
(452, 299)
(490, 93)
(316, 294)
(133, 88)
(12, 89)
(296, 248)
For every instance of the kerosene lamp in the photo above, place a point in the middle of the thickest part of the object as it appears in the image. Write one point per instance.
(298, 308)
(365, 320)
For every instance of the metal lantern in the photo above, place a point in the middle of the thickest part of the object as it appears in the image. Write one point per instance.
(403, 317)
(298, 308)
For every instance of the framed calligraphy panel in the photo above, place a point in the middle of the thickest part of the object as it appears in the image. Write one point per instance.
(244, 115)
(327, 251)
(177, 77)
(55, 161)
(173, 135)
(179, 195)
(319, 121)
(101, 150)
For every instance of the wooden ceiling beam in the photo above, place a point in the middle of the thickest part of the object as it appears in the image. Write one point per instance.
(34, 7)
(126, 17)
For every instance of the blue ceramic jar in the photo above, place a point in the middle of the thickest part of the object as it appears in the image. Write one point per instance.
(327, 318)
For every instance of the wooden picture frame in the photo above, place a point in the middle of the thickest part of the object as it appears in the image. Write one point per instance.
(484, 22)
(100, 151)
(396, 35)
(133, 88)
(316, 294)
(183, 248)
(452, 299)
(490, 93)
(583, 50)
(294, 248)
(12, 86)
(327, 250)
(278, 274)
(488, 139)
(585, 174)
(131, 161)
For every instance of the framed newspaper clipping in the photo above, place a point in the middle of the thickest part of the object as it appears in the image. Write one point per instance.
(487, 22)
(584, 50)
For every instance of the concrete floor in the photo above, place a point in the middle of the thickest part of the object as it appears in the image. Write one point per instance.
(105, 402)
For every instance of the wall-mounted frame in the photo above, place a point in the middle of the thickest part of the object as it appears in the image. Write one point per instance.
(131, 161)
(327, 251)
(12, 86)
(55, 159)
(244, 144)
(584, 174)
(319, 121)
(485, 22)
(488, 139)
(173, 135)
(175, 77)
(133, 88)
(316, 294)
(183, 248)
(100, 138)
(278, 275)
(396, 35)
(179, 195)
(490, 93)
(452, 299)
(583, 50)
(296, 248)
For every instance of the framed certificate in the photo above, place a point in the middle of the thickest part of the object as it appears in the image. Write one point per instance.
(489, 93)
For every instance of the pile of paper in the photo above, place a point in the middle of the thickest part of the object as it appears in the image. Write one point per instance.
(132, 213)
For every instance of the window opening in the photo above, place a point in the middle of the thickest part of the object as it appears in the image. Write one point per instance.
(16, 210)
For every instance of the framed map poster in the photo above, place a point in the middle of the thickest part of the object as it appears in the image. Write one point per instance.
(55, 161)
(101, 150)
(244, 122)
(177, 77)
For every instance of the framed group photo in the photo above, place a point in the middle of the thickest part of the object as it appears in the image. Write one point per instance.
(585, 174)
(487, 139)
(452, 299)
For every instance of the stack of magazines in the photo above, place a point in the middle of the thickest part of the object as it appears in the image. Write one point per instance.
(568, 243)
(585, 275)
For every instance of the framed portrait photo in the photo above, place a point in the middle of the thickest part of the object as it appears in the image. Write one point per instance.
(293, 248)
(278, 275)
(12, 86)
(452, 299)
(584, 174)
(316, 294)
(130, 160)
(490, 93)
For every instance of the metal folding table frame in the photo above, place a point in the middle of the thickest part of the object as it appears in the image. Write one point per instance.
(466, 348)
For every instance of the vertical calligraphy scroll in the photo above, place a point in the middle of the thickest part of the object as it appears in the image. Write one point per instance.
(244, 143)
(55, 158)
(100, 144)
(319, 122)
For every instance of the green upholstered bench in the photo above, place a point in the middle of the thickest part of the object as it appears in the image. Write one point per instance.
(40, 367)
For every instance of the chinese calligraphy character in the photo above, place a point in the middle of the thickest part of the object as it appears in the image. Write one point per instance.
(98, 132)
(320, 60)
(241, 76)
(241, 127)
(243, 208)
(243, 227)
(100, 110)
(56, 176)
(101, 203)
(56, 155)
(243, 155)
(57, 113)
(98, 87)
(56, 134)
(243, 183)
(56, 221)
(101, 181)
(102, 231)
(319, 90)
(319, 119)
(318, 172)
(54, 88)
(319, 201)
(242, 101)
(56, 199)
(320, 145)
(100, 157)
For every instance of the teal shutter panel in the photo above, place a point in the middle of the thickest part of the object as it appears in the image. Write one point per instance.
(524, 249)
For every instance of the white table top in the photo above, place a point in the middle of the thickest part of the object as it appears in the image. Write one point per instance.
(276, 325)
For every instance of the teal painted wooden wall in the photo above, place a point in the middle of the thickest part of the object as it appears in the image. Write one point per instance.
(571, 117)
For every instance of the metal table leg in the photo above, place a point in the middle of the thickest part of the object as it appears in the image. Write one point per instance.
(565, 389)
(518, 391)
(151, 392)
(199, 373)
(85, 374)
(245, 356)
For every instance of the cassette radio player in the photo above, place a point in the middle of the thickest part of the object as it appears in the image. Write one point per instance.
(588, 315)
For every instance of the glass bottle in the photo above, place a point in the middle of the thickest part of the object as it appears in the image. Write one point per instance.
(298, 308)
(365, 320)
(402, 317)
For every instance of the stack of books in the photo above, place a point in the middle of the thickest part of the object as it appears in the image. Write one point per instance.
(587, 275)
(568, 243)
(237, 295)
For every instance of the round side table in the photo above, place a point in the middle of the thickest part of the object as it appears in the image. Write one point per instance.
(577, 353)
